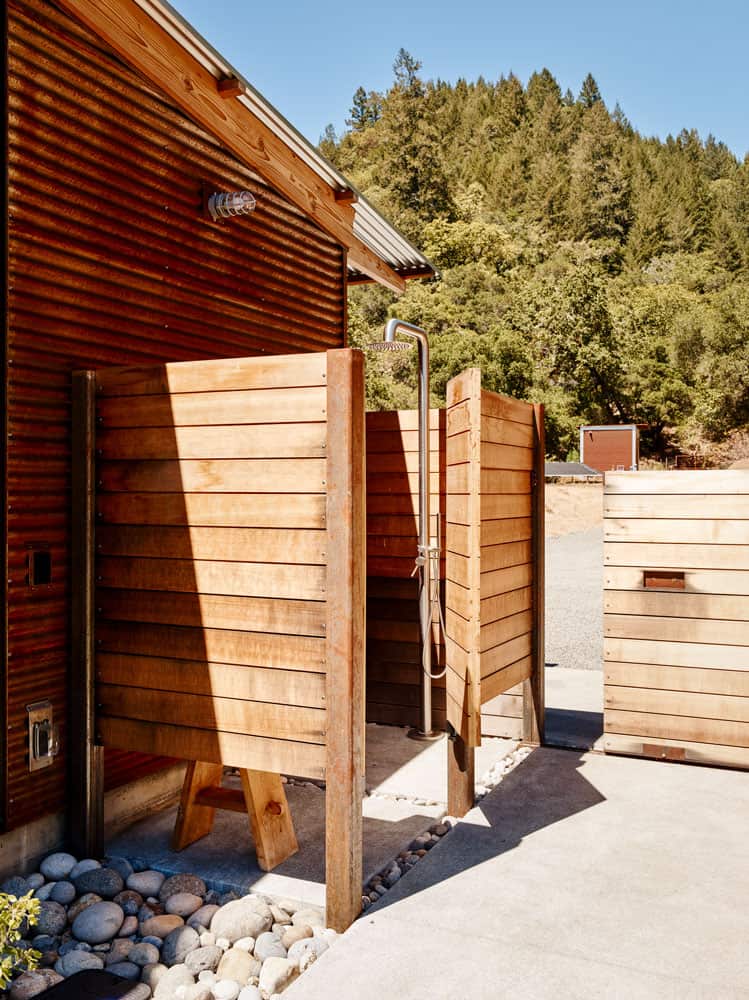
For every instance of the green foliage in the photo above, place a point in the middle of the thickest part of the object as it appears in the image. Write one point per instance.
(14, 913)
(582, 265)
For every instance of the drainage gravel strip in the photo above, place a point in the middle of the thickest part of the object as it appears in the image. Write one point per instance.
(178, 939)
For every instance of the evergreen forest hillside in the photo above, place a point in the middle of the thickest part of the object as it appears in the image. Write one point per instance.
(582, 264)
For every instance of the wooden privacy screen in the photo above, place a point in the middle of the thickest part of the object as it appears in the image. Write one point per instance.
(494, 590)
(229, 537)
(676, 620)
(393, 633)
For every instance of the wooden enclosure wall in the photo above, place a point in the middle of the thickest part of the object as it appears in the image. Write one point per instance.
(393, 642)
(676, 622)
(212, 548)
(491, 608)
(109, 265)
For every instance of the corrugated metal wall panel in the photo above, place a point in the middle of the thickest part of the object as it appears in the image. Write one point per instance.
(112, 262)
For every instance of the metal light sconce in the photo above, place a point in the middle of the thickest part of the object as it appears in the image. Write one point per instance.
(228, 204)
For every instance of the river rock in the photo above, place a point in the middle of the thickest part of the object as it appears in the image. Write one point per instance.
(77, 961)
(269, 945)
(161, 926)
(146, 883)
(247, 917)
(178, 944)
(28, 984)
(128, 970)
(16, 886)
(237, 965)
(171, 980)
(184, 904)
(245, 943)
(118, 952)
(35, 880)
(182, 882)
(226, 989)
(106, 882)
(130, 901)
(52, 919)
(63, 892)
(143, 953)
(208, 939)
(203, 916)
(45, 891)
(276, 974)
(139, 991)
(87, 865)
(152, 973)
(99, 922)
(122, 866)
(72, 945)
(299, 952)
(250, 993)
(308, 916)
(200, 991)
(203, 958)
(293, 934)
(81, 904)
(129, 927)
(57, 866)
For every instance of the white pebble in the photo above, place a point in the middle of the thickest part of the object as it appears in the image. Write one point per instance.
(245, 944)
(223, 943)
(226, 989)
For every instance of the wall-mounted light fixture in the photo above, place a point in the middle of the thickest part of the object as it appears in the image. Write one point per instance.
(228, 204)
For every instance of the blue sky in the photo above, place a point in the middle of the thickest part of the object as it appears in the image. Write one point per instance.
(671, 64)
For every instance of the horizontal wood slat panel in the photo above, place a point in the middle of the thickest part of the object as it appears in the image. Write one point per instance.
(398, 463)
(697, 753)
(506, 408)
(232, 715)
(229, 442)
(704, 581)
(495, 633)
(709, 482)
(268, 545)
(493, 508)
(506, 678)
(395, 441)
(677, 654)
(503, 580)
(214, 611)
(696, 679)
(676, 727)
(209, 408)
(251, 510)
(204, 577)
(266, 475)
(728, 557)
(678, 605)
(690, 704)
(505, 654)
(259, 649)
(512, 529)
(402, 420)
(699, 630)
(231, 749)
(222, 680)
(493, 558)
(279, 371)
(694, 505)
(709, 531)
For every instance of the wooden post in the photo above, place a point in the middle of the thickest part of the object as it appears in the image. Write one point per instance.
(461, 776)
(86, 796)
(346, 595)
(533, 688)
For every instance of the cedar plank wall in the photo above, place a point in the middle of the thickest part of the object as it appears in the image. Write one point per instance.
(112, 263)
(211, 561)
(393, 644)
(676, 654)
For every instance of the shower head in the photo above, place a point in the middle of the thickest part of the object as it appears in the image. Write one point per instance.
(389, 345)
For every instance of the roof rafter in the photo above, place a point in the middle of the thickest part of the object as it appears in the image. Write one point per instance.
(146, 46)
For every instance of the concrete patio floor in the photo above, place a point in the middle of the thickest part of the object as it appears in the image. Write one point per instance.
(581, 876)
(406, 783)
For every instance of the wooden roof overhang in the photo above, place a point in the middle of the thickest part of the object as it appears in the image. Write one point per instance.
(152, 38)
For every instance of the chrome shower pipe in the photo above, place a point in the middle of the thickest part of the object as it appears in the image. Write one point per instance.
(424, 553)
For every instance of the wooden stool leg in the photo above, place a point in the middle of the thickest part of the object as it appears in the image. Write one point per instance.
(270, 818)
(194, 821)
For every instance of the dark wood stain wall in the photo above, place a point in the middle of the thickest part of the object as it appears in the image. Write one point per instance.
(112, 262)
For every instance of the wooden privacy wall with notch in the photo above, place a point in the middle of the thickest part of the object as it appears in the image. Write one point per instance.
(213, 542)
(393, 633)
(490, 560)
(676, 615)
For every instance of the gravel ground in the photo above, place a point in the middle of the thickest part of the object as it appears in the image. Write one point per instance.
(574, 600)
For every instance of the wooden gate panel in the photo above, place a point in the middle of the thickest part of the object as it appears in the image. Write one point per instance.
(492, 562)
(676, 615)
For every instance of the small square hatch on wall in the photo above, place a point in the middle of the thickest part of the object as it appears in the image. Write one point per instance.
(663, 579)
(38, 565)
(43, 735)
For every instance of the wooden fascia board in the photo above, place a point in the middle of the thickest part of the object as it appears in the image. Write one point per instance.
(143, 44)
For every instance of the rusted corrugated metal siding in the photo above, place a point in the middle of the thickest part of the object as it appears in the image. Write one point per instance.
(609, 448)
(112, 262)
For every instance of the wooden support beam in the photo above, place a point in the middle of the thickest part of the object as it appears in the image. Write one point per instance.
(230, 86)
(86, 798)
(533, 687)
(194, 817)
(345, 645)
(461, 776)
(150, 49)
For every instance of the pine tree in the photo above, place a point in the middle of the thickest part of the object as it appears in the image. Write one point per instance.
(589, 93)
